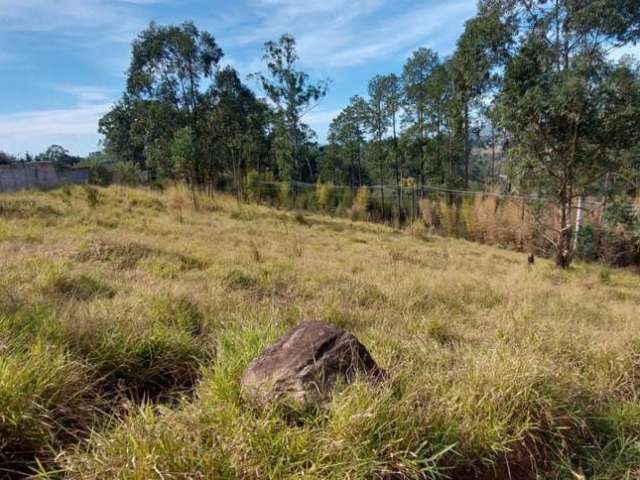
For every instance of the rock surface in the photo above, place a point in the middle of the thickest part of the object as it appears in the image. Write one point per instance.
(301, 368)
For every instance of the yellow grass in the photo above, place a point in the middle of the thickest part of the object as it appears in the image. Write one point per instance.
(496, 369)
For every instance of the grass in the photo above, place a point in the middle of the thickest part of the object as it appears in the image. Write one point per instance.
(125, 325)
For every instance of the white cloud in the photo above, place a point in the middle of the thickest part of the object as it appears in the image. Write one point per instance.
(96, 21)
(344, 33)
(86, 94)
(74, 128)
(275, 17)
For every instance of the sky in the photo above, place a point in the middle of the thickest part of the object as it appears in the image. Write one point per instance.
(63, 62)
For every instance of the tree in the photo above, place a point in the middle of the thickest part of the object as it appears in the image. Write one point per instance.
(378, 123)
(6, 158)
(347, 134)
(416, 74)
(169, 63)
(237, 123)
(289, 90)
(480, 49)
(392, 102)
(117, 127)
(164, 94)
(570, 112)
(57, 155)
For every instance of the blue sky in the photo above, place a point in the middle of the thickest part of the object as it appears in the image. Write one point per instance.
(62, 62)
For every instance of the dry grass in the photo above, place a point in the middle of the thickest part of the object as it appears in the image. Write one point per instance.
(125, 326)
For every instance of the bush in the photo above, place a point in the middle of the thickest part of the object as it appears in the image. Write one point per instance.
(284, 195)
(99, 174)
(128, 173)
(324, 196)
(346, 200)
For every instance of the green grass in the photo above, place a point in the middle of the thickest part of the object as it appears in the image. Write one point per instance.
(126, 323)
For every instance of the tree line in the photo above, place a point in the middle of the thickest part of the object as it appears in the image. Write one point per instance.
(530, 100)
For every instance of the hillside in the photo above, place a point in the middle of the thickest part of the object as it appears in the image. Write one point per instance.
(127, 317)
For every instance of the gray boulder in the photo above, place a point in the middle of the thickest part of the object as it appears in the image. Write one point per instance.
(302, 367)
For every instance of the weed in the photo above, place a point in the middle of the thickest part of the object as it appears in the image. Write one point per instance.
(92, 196)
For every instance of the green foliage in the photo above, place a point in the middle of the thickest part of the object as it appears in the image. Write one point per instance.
(284, 195)
(289, 90)
(127, 173)
(45, 397)
(325, 196)
(7, 158)
(58, 155)
(183, 152)
(99, 174)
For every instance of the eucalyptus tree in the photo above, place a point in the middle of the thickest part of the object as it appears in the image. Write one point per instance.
(570, 112)
(416, 74)
(164, 93)
(289, 90)
(121, 129)
(169, 64)
(237, 125)
(481, 48)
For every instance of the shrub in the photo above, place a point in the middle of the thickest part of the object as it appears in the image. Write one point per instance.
(127, 173)
(284, 195)
(100, 174)
(324, 194)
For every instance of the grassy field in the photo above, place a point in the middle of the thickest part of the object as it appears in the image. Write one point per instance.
(127, 317)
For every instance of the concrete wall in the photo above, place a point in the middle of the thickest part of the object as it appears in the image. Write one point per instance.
(19, 176)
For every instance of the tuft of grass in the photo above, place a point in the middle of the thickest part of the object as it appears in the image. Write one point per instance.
(46, 400)
(92, 196)
(440, 331)
(605, 275)
(127, 255)
(256, 254)
(24, 209)
(78, 287)
(300, 218)
(237, 279)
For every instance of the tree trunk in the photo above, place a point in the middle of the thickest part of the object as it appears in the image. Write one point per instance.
(493, 153)
(381, 177)
(398, 193)
(579, 214)
(467, 144)
(563, 248)
(359, 164)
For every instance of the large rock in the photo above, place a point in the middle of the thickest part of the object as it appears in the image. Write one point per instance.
(301, 368)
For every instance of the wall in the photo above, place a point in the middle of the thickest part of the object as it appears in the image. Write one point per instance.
(20, 176)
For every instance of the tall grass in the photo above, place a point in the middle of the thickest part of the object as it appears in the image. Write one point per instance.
(124, 330)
